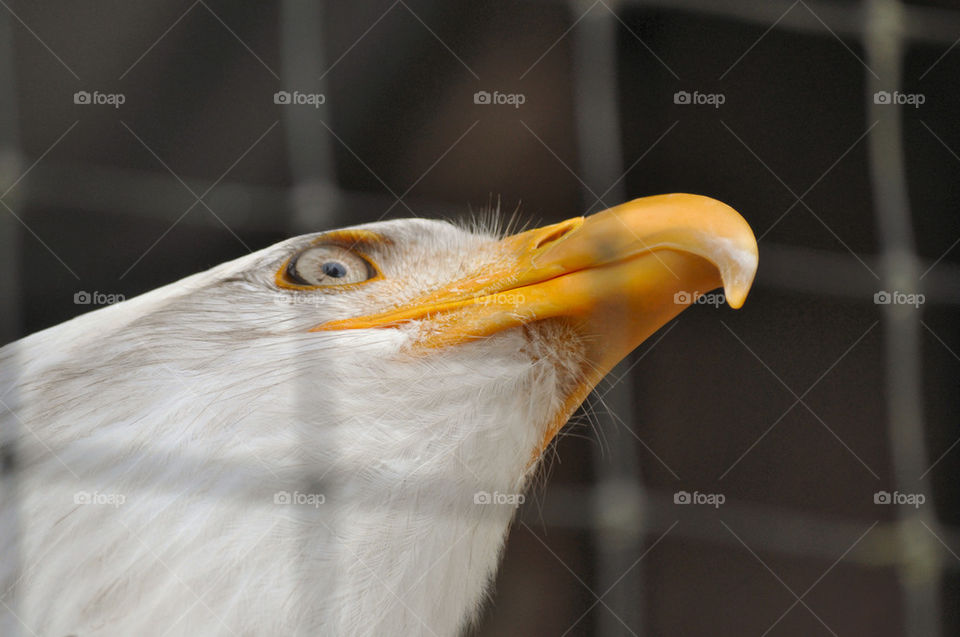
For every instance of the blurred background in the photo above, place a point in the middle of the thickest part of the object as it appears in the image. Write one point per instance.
(786, 469)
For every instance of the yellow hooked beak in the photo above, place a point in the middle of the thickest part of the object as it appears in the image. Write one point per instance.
(617, 276)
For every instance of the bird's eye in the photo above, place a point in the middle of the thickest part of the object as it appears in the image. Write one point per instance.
(325, 265)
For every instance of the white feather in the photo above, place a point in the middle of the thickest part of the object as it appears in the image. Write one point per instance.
(198, 402)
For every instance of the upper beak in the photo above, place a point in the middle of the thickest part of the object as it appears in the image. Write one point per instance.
(617, 276)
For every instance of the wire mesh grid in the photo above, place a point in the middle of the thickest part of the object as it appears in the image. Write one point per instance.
(884, 28)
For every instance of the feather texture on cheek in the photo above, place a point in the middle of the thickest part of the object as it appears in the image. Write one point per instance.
(316, 468)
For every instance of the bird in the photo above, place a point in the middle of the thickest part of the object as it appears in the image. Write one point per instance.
(331, 435)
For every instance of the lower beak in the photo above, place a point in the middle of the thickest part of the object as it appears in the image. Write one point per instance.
(617, 276)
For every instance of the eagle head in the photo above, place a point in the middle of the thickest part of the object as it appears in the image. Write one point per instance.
(330, 435)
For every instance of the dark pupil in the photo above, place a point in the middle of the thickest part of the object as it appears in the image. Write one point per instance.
(334, 269)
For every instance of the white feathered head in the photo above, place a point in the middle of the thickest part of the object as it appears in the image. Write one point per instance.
(329, 436)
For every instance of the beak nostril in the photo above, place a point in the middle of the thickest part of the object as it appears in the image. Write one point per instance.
(557, 232)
